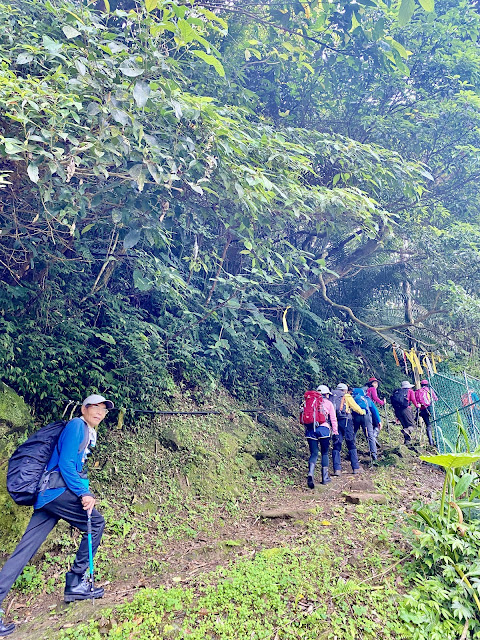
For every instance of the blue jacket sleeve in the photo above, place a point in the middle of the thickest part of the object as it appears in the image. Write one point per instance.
(70, 460)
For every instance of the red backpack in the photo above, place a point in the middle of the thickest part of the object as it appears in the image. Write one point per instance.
(311, 411)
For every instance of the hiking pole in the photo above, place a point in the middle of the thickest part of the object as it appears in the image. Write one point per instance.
(419, 434)
(387, 423)
(90, 552)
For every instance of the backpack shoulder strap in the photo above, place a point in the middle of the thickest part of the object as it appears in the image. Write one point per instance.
(86, 438)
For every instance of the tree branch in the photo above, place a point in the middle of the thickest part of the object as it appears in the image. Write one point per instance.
(379, 330)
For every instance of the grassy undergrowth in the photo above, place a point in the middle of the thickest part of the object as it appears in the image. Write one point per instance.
(332, 579)
(282, 593)
(334, 582)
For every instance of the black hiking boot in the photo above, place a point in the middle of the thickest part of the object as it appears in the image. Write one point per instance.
(337, 472)
(310, 482)
(5, 629)
(77, 587)
(325, 476)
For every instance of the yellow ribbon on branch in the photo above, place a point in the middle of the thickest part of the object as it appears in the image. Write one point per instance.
(285, 325)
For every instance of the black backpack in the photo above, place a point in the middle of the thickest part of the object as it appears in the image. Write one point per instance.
(28, 463)
(399, 399)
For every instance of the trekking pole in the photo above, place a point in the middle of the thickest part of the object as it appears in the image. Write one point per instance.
(419, 433)
(387, 423)
(90, 552)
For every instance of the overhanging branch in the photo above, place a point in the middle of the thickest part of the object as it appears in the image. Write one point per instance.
(378, 330)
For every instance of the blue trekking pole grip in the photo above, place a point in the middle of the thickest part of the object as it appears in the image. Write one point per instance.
(90, 549)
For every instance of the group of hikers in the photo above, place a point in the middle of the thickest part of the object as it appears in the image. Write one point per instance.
(47, 471)
(339, 415)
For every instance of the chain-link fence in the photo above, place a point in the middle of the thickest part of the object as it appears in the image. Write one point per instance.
(458, 397)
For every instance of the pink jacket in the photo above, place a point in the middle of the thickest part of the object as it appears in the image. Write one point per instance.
(373, 395)
(328, 410)
(412, 398)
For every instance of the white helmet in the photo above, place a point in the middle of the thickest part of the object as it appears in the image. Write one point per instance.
(324, 390)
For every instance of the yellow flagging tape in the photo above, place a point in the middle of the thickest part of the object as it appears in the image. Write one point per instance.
(285, 325)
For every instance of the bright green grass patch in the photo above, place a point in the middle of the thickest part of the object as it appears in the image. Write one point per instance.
(290, 593)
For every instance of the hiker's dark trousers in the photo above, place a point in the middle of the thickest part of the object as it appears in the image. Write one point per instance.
(313, 445)
(366, 424)
(66, 507)
(345, 431)
(425, 414)
(407, 421)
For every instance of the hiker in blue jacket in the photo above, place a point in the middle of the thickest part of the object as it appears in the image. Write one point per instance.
(367, 421)
(64, 495)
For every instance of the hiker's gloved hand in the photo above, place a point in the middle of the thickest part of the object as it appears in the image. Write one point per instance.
(88, 502)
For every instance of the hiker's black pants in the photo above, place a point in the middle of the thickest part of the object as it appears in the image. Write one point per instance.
(66, 507)
(425, 414)
(366, 424)
(314, 444)
(345, 431)
(407, 421)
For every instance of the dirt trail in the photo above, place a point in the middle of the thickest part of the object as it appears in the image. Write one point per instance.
(183, 561)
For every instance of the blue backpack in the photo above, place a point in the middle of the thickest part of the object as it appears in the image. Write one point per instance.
(28, 463)
(361, 399)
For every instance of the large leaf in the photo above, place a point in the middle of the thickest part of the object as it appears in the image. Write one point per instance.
(119, 115)
(131, 239)
(51, 45)
(70, 32)
(139, 282)
(187, 32)
(407, 7)
(464, 483)
(427, 5)
(399, 47)
(211, 60)
(138, 174)
(106, 337)
(32, 171)
(24, 58)
(130, 69)
(452, 460)
(141, 93)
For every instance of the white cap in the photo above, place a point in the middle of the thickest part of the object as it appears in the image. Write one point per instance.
(94, 399)
(324, 390)
(342, 386)
(406, 385)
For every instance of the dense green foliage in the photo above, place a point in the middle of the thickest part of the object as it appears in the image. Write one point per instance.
(172, 183)
(444, 602)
